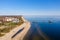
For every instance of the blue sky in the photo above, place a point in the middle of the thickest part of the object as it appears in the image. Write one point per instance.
(29, 7)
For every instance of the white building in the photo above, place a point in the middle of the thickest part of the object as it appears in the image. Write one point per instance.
(15, 20)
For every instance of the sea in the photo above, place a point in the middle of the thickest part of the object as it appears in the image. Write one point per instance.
(48, 25)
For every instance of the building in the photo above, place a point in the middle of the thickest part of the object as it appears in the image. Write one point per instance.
(14, 19)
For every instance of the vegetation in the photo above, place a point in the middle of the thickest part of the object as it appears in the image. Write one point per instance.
(8, 26)
(1, 35)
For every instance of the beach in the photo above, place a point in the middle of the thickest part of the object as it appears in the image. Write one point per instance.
(20, 35)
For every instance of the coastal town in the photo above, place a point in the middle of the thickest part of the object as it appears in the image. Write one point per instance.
(10, 27)
(7, 23)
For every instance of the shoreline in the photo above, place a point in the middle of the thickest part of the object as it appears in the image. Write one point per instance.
(26, 25)
(22, 34)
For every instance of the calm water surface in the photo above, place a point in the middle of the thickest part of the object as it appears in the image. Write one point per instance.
(52, 30)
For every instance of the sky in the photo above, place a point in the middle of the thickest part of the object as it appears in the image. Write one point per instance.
(29, 7)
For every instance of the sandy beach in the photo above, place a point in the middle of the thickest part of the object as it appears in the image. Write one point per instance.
(19, 36)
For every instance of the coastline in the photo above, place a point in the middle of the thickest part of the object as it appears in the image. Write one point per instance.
(22, 34)
(26, 25)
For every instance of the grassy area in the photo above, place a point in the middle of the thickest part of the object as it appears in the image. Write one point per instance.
(8, 26)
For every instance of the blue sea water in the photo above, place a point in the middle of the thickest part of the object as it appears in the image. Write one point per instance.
(52, 30)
